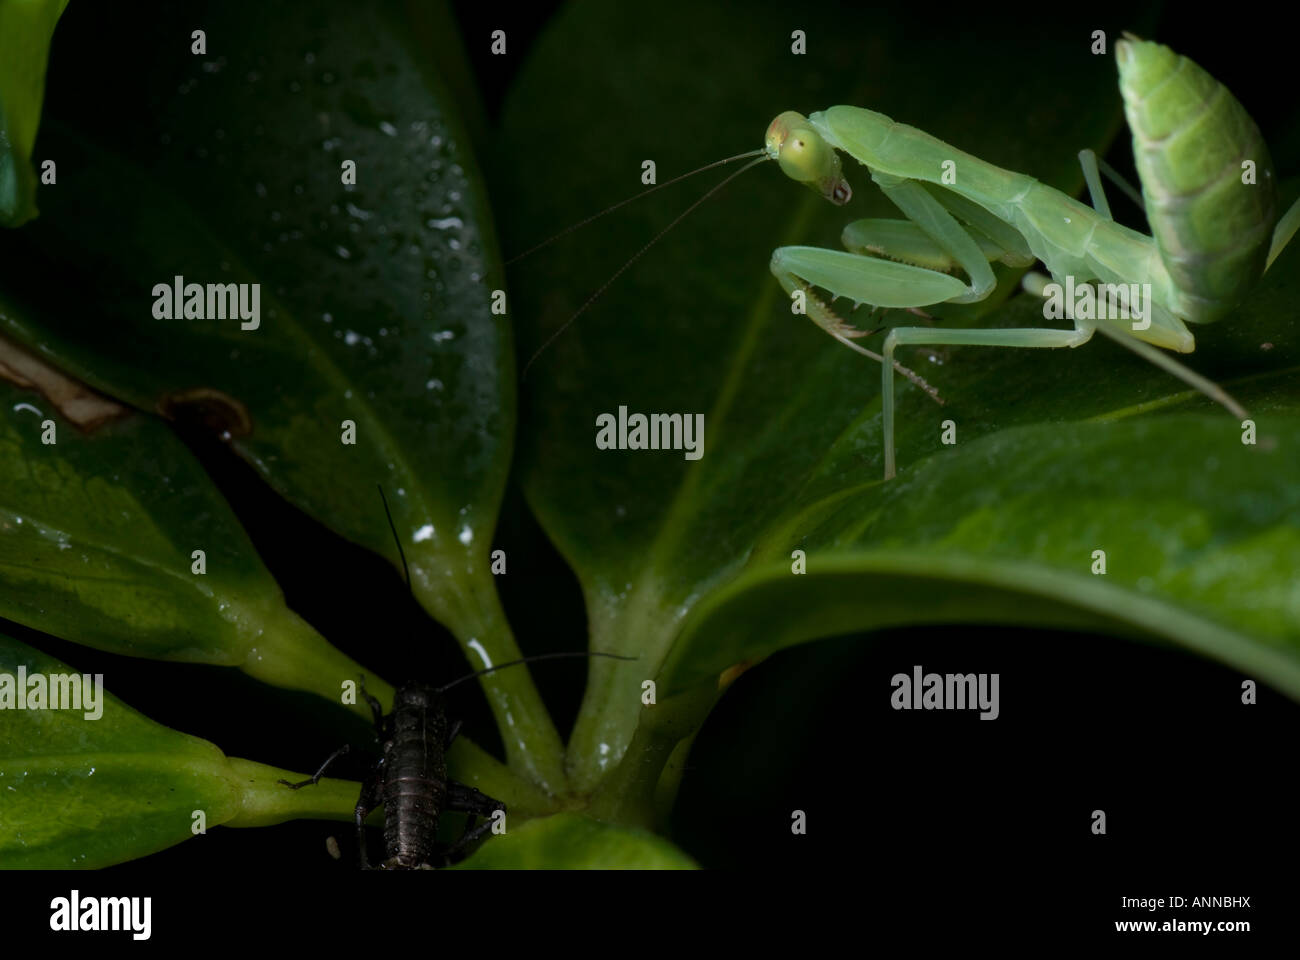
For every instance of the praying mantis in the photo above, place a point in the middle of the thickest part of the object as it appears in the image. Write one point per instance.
(1207, 185)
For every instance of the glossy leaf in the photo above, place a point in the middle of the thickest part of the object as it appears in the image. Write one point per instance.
(1200, 549)
(97, 538)
(89, 788)
(375, 295)
(26, 27)
(569, 841)
(1060, 453)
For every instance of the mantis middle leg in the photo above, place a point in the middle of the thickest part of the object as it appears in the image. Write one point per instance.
(887, 283)
(1014, 337)
(1093, 167)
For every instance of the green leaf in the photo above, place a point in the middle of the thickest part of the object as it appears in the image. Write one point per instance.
(90, 788)
(97, 536)
(1201, 546)
(1060, 453)
(375, 297)
(26, 27)
(569, 841)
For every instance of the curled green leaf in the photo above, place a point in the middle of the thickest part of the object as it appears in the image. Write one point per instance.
(117, 539)
(26, 28)
(87, 788)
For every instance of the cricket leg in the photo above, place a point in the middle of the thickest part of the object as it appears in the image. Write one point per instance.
(372, 795)
(453, 733)
(477, 804)
(376, 709)
(315, 778)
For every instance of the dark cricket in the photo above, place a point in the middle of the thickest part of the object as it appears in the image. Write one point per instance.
(410, 779)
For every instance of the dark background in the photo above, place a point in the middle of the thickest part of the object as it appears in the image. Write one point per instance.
(1196, 786)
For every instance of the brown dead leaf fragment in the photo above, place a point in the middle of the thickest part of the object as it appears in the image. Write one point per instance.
(82, 406)
(217, 411)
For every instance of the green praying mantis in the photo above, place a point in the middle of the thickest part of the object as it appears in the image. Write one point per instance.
(1207, 185)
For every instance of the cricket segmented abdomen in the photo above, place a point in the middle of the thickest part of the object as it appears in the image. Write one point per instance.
(411, 806)
(415, 777)
(1191, 139)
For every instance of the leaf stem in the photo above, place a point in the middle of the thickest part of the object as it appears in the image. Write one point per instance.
(630, 794)
(265, 801)
(292, 654)
(466, 602)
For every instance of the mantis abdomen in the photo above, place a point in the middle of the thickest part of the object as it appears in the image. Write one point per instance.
(1191, 142)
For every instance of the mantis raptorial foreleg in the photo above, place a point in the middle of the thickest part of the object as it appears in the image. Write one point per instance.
(932, 218)
(1005, 239)
(903, 240)
(812, 262)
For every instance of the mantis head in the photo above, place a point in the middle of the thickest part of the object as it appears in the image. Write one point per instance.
(806, 157)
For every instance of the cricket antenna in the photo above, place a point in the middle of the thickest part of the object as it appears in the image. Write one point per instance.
(637, 256)
(406, 571)
(539, 656)
(636, 196)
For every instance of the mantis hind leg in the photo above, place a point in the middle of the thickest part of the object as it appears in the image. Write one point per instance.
(1167, 363)
(1036, 283)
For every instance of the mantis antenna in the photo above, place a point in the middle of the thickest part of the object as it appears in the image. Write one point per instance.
(636, 256)
(622, 203)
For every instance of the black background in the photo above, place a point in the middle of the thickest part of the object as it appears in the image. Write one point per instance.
(929, 814)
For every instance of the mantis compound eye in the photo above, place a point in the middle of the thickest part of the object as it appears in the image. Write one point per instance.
(805, 156)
